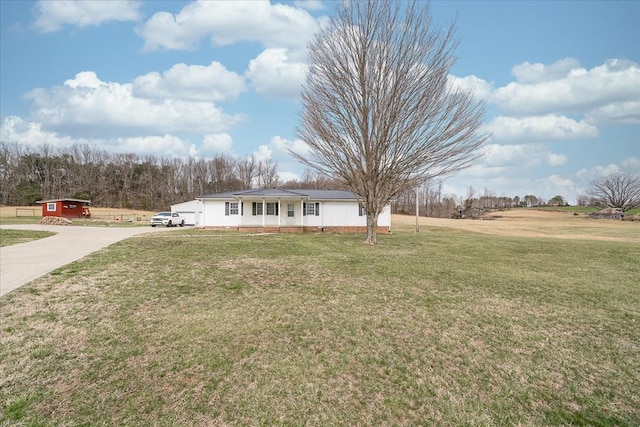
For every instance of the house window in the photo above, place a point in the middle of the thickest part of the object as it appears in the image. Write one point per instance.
(290, 210)
(361, 210)
(256, 208)
(311, 209)
(231, 208)
(51, 207)
(272, 208)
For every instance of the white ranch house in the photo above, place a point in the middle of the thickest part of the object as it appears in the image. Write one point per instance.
(281, 210)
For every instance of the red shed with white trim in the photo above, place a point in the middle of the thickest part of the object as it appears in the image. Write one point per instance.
(66, 208)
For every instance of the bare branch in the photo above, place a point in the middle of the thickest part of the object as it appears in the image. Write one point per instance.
(379, 112)
(618, 190)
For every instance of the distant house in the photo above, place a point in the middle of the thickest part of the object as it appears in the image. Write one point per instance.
(65, 208)
(271, 210)
(608, 213)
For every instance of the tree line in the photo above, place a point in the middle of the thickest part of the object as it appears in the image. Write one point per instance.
(433, 202)
(128, 180)
(147, 182)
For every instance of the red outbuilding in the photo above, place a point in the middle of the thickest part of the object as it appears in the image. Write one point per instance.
(66, 208)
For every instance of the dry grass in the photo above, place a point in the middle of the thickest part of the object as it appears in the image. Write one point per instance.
(533, 223)
(443, 327)
(14, 237)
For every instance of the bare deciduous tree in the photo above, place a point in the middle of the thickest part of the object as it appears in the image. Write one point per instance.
(246, 170)
(267, 174)
(379, 111)
(618, 190)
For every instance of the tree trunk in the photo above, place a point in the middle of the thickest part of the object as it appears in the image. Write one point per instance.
(372, 233)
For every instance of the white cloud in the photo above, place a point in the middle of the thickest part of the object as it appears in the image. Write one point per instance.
(288, 176)
(481, 171)
(586, 176)
(539, 128)
(556, 185)
(157, 145)
(263, 153)
(310, 4)
(556, 160)
(479, 87)
(15, 129)
(283, 145)
(220, 143)
(631, 164)
(515, 170)
(521, 157)
(228, 22)
(272, 73)
(537, 73)
(563, 87)
(597, 171)
(90, 107)
(212, 82)
(50, 16)
(509, 155)
(615, 113)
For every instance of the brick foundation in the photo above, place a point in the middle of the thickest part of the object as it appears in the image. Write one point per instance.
(298, 229)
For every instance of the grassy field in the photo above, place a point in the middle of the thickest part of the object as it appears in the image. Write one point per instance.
(450, 326)
(13, 237)
(536, 223)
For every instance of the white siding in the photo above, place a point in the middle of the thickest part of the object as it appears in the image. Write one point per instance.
(213, 214)
(336, 214)
(384, 220)
(333, 213)
(190, 210)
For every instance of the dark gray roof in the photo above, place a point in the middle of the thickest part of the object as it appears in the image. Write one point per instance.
(66, 199)
(280, 193)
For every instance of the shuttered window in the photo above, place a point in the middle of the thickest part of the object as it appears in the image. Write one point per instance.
(272, 208)
(230, 208)
(256, 208)
(311, 209)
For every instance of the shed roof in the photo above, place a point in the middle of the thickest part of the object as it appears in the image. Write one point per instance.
(279, 193)
(64, 200)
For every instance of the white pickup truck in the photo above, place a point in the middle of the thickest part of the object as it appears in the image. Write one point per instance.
(168, 219)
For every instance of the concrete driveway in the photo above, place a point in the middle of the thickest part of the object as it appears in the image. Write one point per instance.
(22, 263)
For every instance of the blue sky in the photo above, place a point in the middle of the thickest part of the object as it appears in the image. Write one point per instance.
(178, 78)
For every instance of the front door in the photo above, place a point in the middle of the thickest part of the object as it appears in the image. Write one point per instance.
(290, 214)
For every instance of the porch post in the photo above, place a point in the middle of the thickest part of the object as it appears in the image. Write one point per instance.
(279, 212)
(264, 213)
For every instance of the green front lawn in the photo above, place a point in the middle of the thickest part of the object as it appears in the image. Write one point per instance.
(13, 237)
(198, 328)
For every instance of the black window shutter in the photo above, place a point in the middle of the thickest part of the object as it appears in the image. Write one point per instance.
(226, 208)
(241, 208)
(304, 209)
(317, 209)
